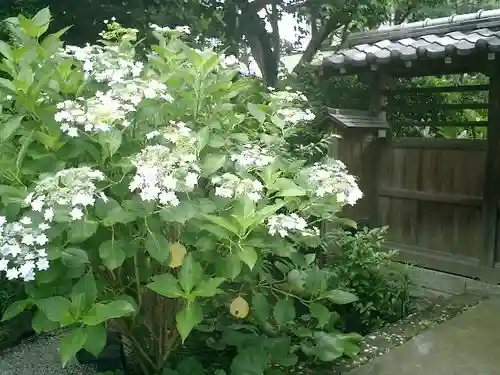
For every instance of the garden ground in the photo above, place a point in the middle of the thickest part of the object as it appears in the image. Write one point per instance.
(463, 345)
(446, 338)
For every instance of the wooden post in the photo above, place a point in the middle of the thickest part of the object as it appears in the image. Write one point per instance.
(491, 191)
(377, 106)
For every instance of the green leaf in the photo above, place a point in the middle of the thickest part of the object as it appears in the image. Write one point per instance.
(80, 230)
(287, 188)
(188, 318)
(87, 287)
(157, 246)
(339, 297)
(15, 308)
(257, 112)
(40, 323)
(72, 343)
(110, 141)
(102, 312)
(203, 137)
(251, 361)
(222, 222)
(74, 257)
(5, 83)
(190, 274)
(321, 313)
(260, 307)
(112, 254)
(96, 339)
(138, 208)
(329, 347)
(284, 311)
(40, 23)
(5, 50)
(9, 127)
(229, 267)
(179, 214)
(248, 255)
(166, 285)
(112, 213)
(208, 288)
(212, 163)
(55, 308)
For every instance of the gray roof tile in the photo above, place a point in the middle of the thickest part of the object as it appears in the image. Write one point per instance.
(407, 49)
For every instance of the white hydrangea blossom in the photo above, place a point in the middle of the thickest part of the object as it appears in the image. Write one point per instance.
(285, 225)
(231, 186)
(162, 171)
(177, 133)
(74, 188)
(253, 156)
(119, 70)
(104, 63)
(22, 248)
(165, 29)
(296, 115)
(96, 114)
(332, 178)
(288, 106)
(107, 109)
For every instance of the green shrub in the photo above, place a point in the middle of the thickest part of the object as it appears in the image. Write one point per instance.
(9, 292)
(160, 198)
(381, 284)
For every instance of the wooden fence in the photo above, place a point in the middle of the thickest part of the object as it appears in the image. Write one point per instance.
(430, 194)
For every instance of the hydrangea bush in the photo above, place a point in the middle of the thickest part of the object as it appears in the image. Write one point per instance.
(158, 197)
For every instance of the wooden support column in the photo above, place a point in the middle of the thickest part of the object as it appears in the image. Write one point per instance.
(379, 82)
(491, 191)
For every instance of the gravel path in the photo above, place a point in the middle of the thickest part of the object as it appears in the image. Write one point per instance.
(40, 356)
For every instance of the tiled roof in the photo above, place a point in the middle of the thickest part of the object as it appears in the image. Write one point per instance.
(455, 35)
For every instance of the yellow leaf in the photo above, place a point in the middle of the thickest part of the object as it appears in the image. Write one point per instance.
(177, 254)
(239, 308)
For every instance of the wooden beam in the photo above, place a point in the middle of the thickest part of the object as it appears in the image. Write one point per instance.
(438, 89)
(427, 196)
(492, 173)
(449, 124)
(439, 143)
(444, 106)
(444, 262)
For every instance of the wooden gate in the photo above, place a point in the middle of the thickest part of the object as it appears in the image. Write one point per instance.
(430, 194)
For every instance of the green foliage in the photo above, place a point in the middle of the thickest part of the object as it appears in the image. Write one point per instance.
(382, 286)
(161, 198)
(10, 291)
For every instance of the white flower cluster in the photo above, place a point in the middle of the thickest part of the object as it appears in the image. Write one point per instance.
(231, 186)
(108, 109)
(253, 156)
(165, 29)
(74, 188)
(118, 69)
(290, 224)
(104, 63)
(332, 178)
(162, 171)
(95, 114)
(288, 106)
(295, 115)
(178, 133)
(22, 250)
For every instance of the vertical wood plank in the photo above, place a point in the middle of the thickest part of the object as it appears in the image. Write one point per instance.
(374, 153)
(492, 174)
